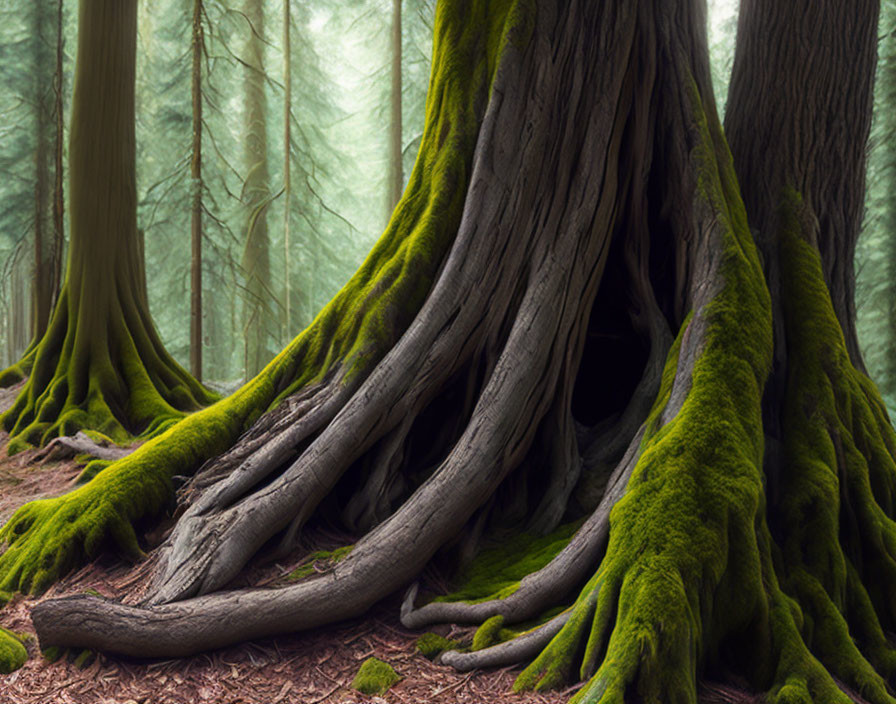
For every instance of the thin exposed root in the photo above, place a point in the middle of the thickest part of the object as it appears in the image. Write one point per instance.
(521, 648)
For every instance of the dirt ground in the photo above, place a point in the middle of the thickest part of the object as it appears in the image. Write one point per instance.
(309, 668)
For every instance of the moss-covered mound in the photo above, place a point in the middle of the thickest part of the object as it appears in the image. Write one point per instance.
(375, 677)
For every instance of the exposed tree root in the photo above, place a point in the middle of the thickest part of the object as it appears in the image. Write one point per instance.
(80, 444)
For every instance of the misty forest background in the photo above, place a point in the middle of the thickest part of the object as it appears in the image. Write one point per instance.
(276, 249)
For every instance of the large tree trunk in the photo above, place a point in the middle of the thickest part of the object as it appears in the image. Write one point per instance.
(505, 359)
(100, 365)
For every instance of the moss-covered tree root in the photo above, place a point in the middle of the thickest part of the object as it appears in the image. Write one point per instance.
(308, 383)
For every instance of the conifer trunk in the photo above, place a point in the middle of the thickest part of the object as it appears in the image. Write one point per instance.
(197, 44)
(396, 176)
(256, 257)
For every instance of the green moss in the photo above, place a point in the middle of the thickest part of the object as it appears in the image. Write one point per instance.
(491, 632)
(319, 561)
(838, 450)
(431, 645)
(375, 677)
(83, 659)
(12, 651)
(683, 568)
(47, 538)
(495, 573)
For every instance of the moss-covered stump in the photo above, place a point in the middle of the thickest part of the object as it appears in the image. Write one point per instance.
(375, 677)
(12, 651)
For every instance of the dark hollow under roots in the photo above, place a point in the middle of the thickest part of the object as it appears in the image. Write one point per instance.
(538, 384)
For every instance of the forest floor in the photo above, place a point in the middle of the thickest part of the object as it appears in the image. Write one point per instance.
(309, 668)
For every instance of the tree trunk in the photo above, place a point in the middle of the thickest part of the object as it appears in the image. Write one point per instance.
(101, 365)
(567, 319)
(42, 282)
(197, 45)
(396, 176)
(58, 168)
(287, 167)
(256, 257)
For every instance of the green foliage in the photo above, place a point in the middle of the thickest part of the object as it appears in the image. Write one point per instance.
(375, 677)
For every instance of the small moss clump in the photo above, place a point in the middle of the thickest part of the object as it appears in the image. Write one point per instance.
(375, 677)
(12, 652)
(312, 563)
(431, 645)
(491, 632)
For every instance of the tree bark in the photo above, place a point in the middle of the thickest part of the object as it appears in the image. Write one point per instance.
(47, 248)
(287, 164)
(256, 257)
(396, 175)
(197, 45)
(815, 107)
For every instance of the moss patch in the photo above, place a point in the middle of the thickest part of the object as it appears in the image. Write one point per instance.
(319, 561)
(375, 677)
(431, 645)
(495, 573)
(12, 651)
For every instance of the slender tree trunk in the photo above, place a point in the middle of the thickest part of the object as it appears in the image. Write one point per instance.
(43, 282)
(287, 168)
(256, 258)
(58, 165)
(396, 175)
(18, 326)
(197, 45)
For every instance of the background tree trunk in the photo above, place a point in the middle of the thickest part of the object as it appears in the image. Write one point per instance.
(47, 247)
(256, 258)
(287, 168)
(396, 175)
(197, 45)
